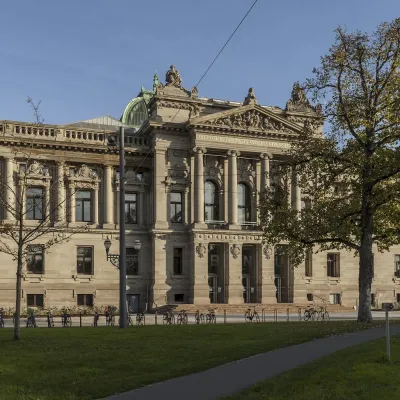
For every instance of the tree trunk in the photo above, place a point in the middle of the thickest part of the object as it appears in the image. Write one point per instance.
(18, 295)
(364, 284)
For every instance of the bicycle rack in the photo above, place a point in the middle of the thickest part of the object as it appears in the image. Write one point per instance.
(299, 313)
(287, 315)
(275, 315)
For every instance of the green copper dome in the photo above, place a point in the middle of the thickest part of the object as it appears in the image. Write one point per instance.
(136, 112)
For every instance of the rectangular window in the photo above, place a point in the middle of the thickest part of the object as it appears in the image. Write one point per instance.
(335, 298)
(132, 261)
(308, 263)
(130, 208)
(34, 300)
(85, 260)
(179, 298)
(397, 265)
(398, 298)
(178, 259)
(176, 208)
(83, 206)
(85, 300)
(333, 264)
(310, 297)
(373, 265)
(373, 298)
(34, 259)
(34, 203)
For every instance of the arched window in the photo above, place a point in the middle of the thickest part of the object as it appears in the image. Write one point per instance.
(137, 114)
(244, 203)
(211, 203)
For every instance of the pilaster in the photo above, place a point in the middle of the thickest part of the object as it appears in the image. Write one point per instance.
(159, 176)
(159, 263)
(9, 189)
(108, 221)
(61, 198)
(232, 189)
(268, 288)
(200, 273)
(199, 187)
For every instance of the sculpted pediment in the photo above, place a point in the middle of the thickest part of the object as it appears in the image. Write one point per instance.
(247, 118)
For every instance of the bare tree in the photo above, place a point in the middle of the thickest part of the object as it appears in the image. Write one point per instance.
(25, 201)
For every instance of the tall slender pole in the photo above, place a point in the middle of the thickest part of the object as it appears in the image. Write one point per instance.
(387, 335)
(122, 251)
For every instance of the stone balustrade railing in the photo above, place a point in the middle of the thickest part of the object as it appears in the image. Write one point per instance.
(69, 135)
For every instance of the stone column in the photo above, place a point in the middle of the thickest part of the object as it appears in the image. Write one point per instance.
(61, 200)
(199, 186)
(71, 202)
(9, 189)
(201, 294)
(159, 176)
(265, 170)
(108, 198)
(95, 206)
(235, 288)
(268, 288)
(296, 193)
(232, 188)
(226, 194)
(47, 208)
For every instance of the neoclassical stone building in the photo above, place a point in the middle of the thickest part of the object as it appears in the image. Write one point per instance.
(195, 168)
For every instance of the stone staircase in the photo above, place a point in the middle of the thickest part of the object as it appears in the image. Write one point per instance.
(241, 308)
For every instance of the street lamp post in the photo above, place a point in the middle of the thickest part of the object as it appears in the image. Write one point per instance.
(119, 260)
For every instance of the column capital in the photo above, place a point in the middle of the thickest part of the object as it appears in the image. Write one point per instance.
(199, 150)
(266, 156)
(234, 153)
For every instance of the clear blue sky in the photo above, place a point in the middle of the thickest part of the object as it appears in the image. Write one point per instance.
(89, 58)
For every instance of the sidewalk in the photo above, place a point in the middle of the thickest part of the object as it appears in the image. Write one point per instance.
(230, 378)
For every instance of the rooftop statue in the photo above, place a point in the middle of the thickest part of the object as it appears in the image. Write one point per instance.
(250, 98)
(298, 100)
(172, 77)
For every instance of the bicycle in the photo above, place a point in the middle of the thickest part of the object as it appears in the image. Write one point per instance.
(210, 317)
(310, 313)
(140, 318)
(199, 317)
(168, 318)
(182, 318)
(50, 320)
(31, 321)
(323, 314)
(66, 320)
(250, 314)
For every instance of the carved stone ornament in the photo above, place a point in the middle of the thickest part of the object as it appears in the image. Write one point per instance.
(213, 168)
(85, 172)
(267, 251)
(194, 109)
(172, 77)
(246, 169)
(298, 100)
(194, 92)
(250, 98)
(201, 250)
(37, 169)
(251, 119)
(235, 250)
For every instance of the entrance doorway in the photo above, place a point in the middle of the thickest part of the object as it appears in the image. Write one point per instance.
(283, 275)
(213, 289)
(216, 272)
(249, 274)
(133, 301)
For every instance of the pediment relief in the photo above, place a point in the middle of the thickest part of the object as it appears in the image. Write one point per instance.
(251, 117)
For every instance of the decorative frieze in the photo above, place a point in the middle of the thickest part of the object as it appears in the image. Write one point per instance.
(226, 237)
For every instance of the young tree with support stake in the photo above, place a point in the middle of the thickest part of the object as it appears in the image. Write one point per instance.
(44, 207)
(350, 178)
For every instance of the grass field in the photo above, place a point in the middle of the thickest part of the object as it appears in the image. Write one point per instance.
(358, 373)
(91, 363)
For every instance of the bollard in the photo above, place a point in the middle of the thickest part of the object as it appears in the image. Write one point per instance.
(276, 315)
(224, 316)
(299, 312)
(155, 320)
(263, 315)
(287, 315)
(80, 319)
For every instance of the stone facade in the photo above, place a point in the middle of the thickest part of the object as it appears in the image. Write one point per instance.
(194, 172)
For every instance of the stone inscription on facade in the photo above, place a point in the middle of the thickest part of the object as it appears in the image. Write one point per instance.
(225, 139)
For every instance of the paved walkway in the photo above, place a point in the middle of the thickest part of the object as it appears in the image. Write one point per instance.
(230, 378)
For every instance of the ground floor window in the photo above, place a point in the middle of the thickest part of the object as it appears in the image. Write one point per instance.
(34, 300)
(179, 298)
(310, 297)
(85, 300)
(335, 298)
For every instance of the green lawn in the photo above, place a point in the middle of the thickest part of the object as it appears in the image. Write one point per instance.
(90, 363)
(358, 373)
